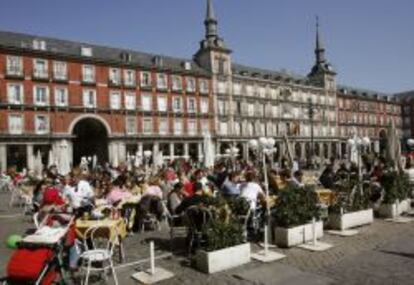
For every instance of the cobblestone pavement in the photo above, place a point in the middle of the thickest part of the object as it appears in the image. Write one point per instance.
(382, 253)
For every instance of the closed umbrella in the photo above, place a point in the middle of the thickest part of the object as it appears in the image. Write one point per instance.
(209, 152)
(38, 165)
(63, 158)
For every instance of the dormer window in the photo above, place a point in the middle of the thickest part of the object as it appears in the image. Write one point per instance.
(39, 44)
(86, 51)
(187, 65)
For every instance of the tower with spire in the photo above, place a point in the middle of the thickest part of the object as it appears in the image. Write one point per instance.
(213, 52)
(322, 73)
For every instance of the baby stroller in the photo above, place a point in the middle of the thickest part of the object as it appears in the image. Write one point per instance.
(39, 257)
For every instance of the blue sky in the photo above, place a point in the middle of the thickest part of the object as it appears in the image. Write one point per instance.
(369, 42)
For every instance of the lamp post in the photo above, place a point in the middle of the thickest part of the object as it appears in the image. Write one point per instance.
(311, 113)
(265, 146)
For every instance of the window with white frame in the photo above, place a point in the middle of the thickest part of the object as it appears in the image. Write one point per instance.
(115, 100)
(205, 126)
(190, 84)
(15, 124)
(131, 125)
(223, 128)
(88, 73)
(147, 126)
(61, 96)
(39, 44)
(262, 91)
(221, 107)
(130, 100)
(237, 128)
(191, 105)
(221, 87)
(250, 109)
(204, 86)
(204, 105)
(177, 83)
(178, 126)
(249, 90)
(163, 126)
(15, 93)
(89, 98)
(237, 88)
(162, 81)
(129, 77)
(115, 76)
(14, 65)
(177, 104)
(145, 79)
(41, 124)
(162, 103)
(40, 69)
(146, 102)
(41, 95)
(192, 127)
(60, 70)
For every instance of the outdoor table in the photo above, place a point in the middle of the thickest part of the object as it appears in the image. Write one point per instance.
(119, 224)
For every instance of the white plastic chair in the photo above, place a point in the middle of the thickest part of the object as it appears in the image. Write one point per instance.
(103, 240)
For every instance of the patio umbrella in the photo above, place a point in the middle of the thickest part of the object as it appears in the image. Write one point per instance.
(94, 161)
(393, 145)
(209, 154)
(38, 165)
(129, 162)
(63, 158)
(115, 160)
(51, 158)
(137, 161)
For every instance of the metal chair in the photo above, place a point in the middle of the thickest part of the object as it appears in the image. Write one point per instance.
(197, 218)
(175, 223)
(99, 251)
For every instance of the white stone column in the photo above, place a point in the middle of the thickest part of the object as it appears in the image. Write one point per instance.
(29, 157)
(140, 148)
(186, 155)
(172, 151)
(3, 157)
(245, 151)
(302, 151)
(329, 150)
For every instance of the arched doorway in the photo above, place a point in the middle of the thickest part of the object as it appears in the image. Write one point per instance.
(91, 138)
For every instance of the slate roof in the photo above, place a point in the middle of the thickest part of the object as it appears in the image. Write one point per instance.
(110, 55)
(365, 93)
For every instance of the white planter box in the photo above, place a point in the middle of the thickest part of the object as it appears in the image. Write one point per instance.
(214, 261)
(390, 210)
(287, 237)
(351, 220)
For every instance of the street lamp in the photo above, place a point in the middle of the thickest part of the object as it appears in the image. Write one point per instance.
(311, 113)
(265, 146)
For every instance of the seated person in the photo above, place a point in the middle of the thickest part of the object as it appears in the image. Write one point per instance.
(252, 191)
(197, 199)
(153, 188)
(231, 186)
(118, 191)
(296, 181)
(175, 197)
(327, 178)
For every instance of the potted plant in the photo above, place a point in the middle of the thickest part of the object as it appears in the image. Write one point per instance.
(396, 192)
(292, 216)
(352, 207)
(225, 245)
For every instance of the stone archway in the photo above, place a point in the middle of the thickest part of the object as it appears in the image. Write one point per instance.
(91, 138)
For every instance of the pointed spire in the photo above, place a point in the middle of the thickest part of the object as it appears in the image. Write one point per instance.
(210, 21)
(210, 11)
(319, 50)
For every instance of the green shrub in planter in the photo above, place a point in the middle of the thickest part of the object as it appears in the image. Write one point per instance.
(296, 207)
(351, 196)
(396, 186)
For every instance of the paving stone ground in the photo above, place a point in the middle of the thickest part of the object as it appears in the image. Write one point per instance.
(382, 253)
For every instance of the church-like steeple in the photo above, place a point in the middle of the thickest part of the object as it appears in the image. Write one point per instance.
(212, 39)
(211, 21)
(321, 64)
(319, 50)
